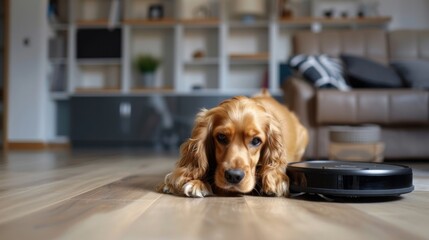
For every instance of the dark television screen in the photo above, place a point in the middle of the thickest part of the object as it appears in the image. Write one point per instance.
(98, 43)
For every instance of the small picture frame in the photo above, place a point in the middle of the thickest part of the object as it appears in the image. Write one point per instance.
(156, 11)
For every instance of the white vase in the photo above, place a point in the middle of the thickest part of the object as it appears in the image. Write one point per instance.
(148, 79)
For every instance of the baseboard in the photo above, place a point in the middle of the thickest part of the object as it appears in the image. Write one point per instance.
(36, 146)
(58, 146)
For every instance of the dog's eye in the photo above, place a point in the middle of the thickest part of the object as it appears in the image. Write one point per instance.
(256, 142)
(221, 138)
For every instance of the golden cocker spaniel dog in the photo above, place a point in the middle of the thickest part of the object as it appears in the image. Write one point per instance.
(240, 146)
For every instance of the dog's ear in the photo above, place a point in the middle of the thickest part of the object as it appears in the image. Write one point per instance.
(274, 152)
(273, 161)
(197, 151)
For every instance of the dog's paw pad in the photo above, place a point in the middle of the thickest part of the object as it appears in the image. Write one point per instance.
(197, 188)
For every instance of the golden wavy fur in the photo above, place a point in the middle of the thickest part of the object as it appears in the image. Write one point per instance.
(240, 146)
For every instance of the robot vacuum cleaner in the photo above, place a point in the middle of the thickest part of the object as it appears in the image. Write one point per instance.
(349, 179)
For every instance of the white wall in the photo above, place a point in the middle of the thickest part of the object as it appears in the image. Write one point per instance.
(28, 87)
(406, 14)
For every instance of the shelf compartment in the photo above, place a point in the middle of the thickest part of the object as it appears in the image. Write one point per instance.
(92, 12)
(96, 77)
(140, 9)
(246, 77)
(205, 41)
(158, 43)
(236, 9)
(197, 77)
(201, 9)
(248, 44)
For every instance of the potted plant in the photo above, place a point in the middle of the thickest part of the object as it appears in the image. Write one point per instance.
(147, 65)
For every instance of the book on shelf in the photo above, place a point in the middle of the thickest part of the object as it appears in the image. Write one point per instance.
(57, 11)
(57, 47)
(58, 78)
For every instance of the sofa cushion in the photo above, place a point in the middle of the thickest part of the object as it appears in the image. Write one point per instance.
(408, 44)
(370, 43)
(365, 73)
(415, 73)
(386, 107)
(320, 70)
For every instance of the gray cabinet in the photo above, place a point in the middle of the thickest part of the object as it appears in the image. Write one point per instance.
(120, 120)
(153, 121)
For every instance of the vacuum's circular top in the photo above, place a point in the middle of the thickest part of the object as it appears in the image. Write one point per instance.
(351, 179)
(356, 168)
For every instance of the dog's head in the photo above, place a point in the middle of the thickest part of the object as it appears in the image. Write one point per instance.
(228, 143)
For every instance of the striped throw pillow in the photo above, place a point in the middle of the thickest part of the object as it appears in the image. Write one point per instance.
(320, 70)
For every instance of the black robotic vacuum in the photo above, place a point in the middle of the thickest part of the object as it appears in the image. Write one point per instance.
(349, 179)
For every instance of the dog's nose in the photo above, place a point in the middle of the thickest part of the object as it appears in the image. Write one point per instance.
(234, 176)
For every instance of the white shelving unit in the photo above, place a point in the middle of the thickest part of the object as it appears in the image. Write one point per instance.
(176, 40)
(199, 58)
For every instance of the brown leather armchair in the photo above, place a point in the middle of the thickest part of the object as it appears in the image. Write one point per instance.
(403, 114)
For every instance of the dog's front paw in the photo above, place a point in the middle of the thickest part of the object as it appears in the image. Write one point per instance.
(276, 186)
(197, 188)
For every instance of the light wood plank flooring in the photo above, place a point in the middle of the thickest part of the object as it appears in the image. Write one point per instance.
(110, 195)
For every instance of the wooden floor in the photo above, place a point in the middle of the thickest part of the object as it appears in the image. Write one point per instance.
(105, 195)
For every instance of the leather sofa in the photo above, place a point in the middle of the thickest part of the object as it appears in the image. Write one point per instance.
(403, 114)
